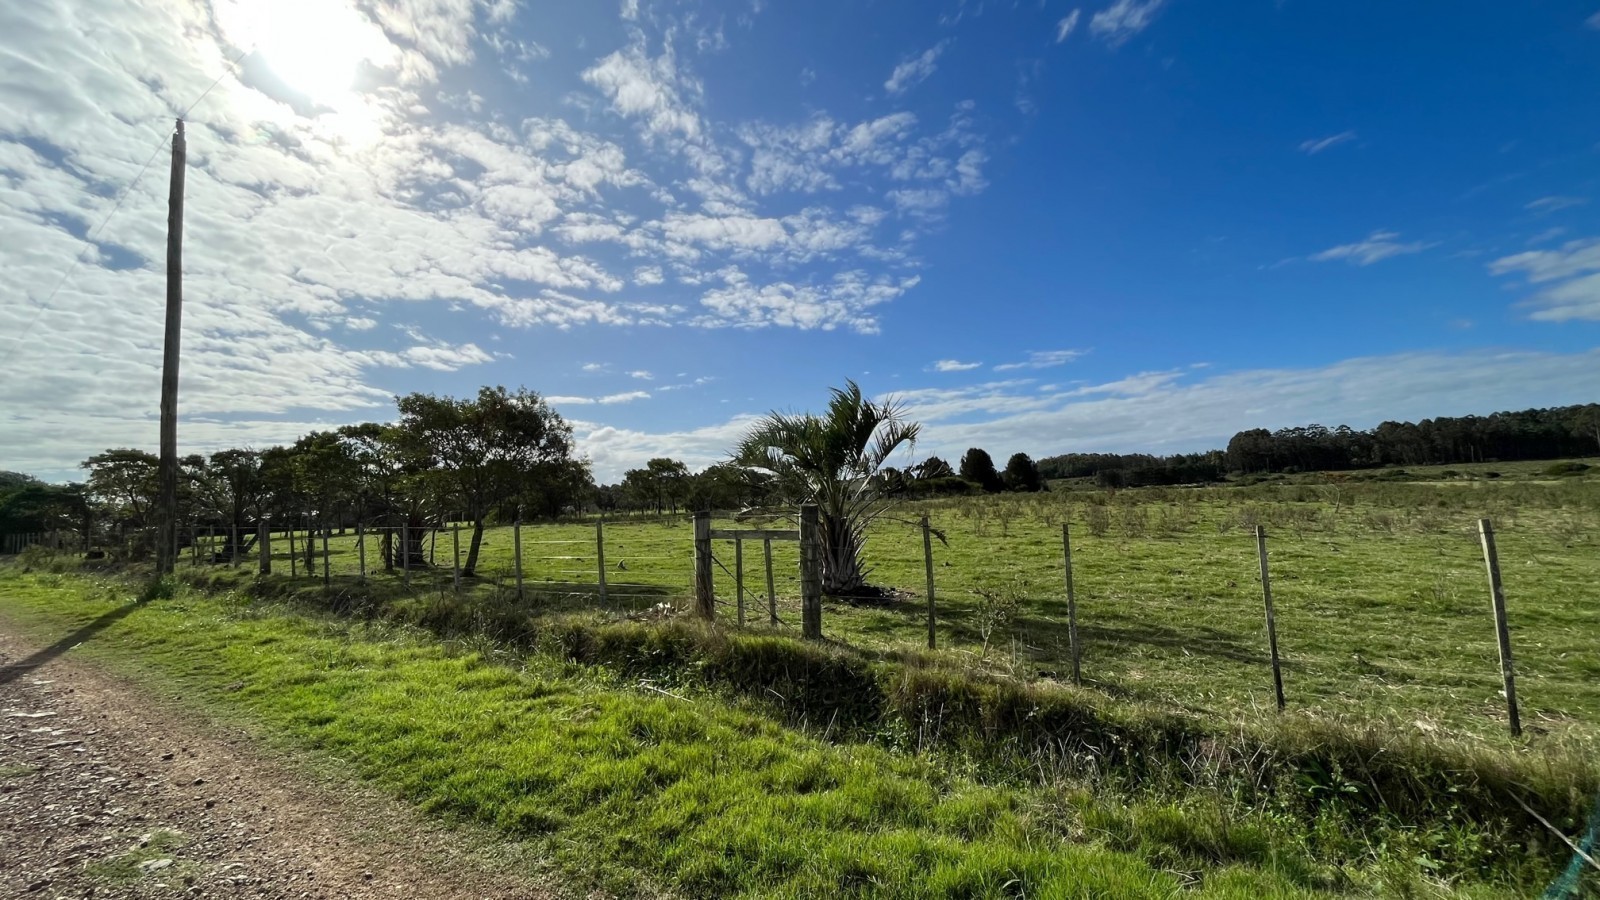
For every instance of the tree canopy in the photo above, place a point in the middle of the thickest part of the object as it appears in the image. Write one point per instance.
(978, 467)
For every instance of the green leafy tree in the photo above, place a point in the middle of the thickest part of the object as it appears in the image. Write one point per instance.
(483, 451)
(721, 486)
(124, 483)
(382, 476)
(28, 504)
(661, 483)
(978, 467)
(832, 460)
(931, 468)
(1022, 473)
(229, 489)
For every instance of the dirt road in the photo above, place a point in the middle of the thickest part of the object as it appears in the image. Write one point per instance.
(105, 792)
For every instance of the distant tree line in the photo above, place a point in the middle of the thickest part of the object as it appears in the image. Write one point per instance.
(504, 454)
(1115, 470)
(667, 486)
(1530, 434)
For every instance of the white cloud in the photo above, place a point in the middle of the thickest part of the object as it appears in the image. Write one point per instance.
(607, 400)
(653, 90)
(1067, 24)
(641, 374)
(594, 367)
(915, 70)
(1554, 203)
(955, 365)
(1317, 145)
(1169, 412)
(1378, 246)
(1124, 19)
(613, 450)
(698, 382)
(846, 301)
(392, 204)
(1042, 359)
(1573, 273)
(1593, 21)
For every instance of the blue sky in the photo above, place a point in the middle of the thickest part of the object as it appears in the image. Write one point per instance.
(1120, 225)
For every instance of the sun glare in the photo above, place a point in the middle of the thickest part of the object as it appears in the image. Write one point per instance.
(315, 46)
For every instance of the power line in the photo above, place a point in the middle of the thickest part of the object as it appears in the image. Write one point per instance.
(89, 237)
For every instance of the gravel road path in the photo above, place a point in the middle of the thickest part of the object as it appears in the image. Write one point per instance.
(105, 792)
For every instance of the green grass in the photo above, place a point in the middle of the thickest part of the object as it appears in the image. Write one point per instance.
(634, 790)
(1379, 586)
(122, 868)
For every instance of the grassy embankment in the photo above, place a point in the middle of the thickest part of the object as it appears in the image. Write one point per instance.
(925, 781)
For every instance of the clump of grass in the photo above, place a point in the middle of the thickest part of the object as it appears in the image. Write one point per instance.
(123, 868)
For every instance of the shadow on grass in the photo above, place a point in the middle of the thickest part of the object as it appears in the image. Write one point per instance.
(16, 670)
(430, 596)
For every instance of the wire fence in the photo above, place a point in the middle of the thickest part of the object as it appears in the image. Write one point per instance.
(1371, 607)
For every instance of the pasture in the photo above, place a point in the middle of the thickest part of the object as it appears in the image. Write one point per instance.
(1379, 583)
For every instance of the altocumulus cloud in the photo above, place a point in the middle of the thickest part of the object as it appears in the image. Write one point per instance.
(311, 219)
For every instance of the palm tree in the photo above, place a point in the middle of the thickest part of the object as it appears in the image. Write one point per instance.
(833, 460)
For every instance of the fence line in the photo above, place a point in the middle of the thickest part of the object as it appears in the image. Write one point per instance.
(228, 544)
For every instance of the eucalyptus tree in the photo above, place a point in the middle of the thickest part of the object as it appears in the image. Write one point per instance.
(834, 460)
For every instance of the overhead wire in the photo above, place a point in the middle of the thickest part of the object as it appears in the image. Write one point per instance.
(21, 338)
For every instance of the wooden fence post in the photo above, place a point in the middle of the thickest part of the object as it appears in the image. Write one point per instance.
(516, 548)
(311, 549)
(455, 554)
(600, 556)
(1072, 610)
(327, 572)
(810, 573)
(927, 564)
(233, 531)
(738, 576)
(1272, 624)
(772, 593)
(294, 555)
(361, 550)
(705, 596)
(405, 550)
(264, 538)
(1497, 599)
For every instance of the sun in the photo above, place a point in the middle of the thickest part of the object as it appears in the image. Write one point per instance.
(315, 47)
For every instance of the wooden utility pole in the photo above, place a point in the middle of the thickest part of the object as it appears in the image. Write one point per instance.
(167, 536)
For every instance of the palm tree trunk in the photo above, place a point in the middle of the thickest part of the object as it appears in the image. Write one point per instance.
(841, 558)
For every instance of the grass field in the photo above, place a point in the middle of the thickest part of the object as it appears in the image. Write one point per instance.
(662, 757)
(640, 792)
(1379, 585)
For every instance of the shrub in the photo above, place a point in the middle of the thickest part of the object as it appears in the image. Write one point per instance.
(1566, 469)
